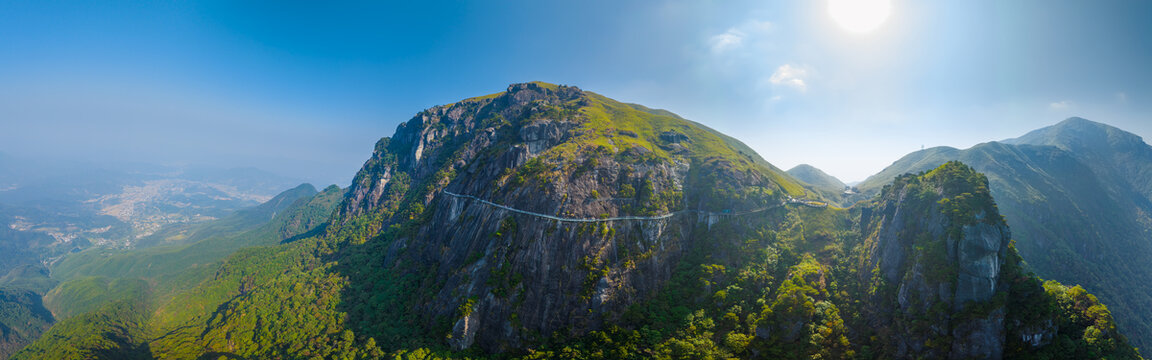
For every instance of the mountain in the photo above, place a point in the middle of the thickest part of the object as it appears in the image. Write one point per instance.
(547, 221)
(1077, 196)
(91, 279)
(813, 176)
(1109, 151)
(553, 151)
(947, 277)
(246, 180)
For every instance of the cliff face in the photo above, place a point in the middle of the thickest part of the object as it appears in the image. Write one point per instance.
(941, 243)
(487, 190)
(548, 211)
(948, 282)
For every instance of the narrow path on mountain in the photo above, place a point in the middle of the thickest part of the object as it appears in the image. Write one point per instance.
(618, 218)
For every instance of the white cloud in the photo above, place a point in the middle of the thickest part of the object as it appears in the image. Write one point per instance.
(1060, 105)
(1121, 97)
(738, 36)
(792, 76)
(729, 40)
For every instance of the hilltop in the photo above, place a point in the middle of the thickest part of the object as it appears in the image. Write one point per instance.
(811, 175)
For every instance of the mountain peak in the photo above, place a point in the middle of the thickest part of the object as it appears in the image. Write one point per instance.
(283, 200)
(554, 127)
(1084, 125)
(1078, 120)
(538, 86)
(804, 167)
(519, 162)
(1079, 134)
(814, 176)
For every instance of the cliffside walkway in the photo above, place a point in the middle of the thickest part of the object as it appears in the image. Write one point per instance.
(617, 218)
(808, 203)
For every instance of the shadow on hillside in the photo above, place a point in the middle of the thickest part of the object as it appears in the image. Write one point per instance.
(124, 349)
(219, 355)
(316, 231)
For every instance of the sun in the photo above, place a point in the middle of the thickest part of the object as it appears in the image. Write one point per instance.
(859, 16)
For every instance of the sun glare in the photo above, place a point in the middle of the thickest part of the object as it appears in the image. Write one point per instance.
(859, 16)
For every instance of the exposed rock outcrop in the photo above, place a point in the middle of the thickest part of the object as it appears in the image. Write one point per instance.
(536, 148)
(483, 209)
(946, 263)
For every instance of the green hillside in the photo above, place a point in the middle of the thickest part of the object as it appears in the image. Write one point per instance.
(821, 183)
(111, 292)
(239, 221)
(1114, 153)
(22, 319)
(300, 210)
(549, 222)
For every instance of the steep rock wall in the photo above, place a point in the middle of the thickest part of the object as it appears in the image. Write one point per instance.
(941, 246)
(503, 277)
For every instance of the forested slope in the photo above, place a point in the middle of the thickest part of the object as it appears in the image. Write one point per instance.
(926, 269)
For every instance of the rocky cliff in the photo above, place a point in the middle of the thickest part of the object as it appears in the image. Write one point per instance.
(557, 155)
(939, 240)
(549, 211)
(1074, 194)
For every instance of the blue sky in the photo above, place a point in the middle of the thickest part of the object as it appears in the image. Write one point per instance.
(305, 88)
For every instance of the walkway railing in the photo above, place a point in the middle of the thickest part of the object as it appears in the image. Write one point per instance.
(617, 218)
